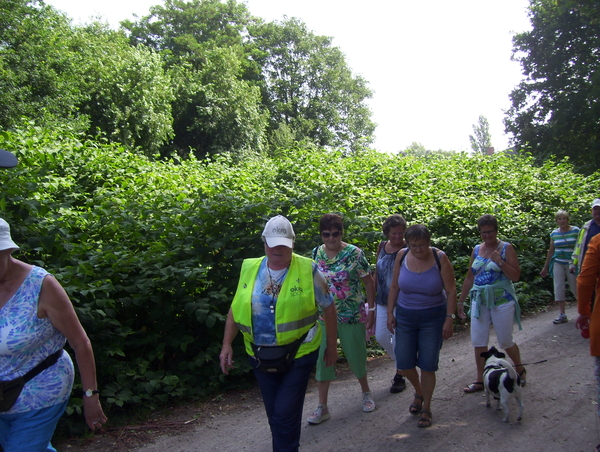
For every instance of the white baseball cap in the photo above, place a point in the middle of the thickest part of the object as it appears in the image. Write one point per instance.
(596, 202)
(279, 231)
(6, 242)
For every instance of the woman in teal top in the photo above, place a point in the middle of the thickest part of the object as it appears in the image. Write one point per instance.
(558, 260)
(493, 268)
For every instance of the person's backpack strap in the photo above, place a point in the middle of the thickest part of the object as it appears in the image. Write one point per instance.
(381, 245)
(435, 255)
(403, 256)
(437, 258)
(314, 253)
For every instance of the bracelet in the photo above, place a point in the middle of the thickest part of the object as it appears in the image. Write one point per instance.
(372, 309)
(501, 264)
(460, 303)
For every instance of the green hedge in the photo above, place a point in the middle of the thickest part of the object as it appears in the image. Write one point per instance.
(150, 252)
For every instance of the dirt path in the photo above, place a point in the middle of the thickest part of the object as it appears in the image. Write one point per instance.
(560, 407)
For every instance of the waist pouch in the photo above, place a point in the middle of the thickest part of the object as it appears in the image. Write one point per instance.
(278, 358)
(10, 390)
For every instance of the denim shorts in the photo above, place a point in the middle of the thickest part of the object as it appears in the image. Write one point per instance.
(419, 337)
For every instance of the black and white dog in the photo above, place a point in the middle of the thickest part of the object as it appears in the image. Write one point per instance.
(502, 381)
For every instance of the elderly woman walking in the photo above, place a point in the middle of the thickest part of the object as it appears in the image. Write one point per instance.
(346, 269)
(37, 320)
(493, 268)
(276, 307)
(393, 228)
(423, 293)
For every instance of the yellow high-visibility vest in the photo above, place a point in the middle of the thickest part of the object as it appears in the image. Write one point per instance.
(296, 309)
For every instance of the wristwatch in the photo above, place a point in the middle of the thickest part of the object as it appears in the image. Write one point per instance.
(91, 392)
(451, 315)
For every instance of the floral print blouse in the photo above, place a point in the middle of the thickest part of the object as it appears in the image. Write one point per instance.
(343, 274)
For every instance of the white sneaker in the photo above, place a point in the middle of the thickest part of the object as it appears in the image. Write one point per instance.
(562, 318)
(319, 415)
(368, 403)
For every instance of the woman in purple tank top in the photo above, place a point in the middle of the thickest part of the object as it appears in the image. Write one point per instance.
(423, 291)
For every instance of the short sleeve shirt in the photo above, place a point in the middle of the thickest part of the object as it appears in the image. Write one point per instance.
(343, 274)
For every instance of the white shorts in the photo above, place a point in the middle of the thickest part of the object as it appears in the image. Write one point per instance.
(561, 274)
(502, 317)
(382, 334)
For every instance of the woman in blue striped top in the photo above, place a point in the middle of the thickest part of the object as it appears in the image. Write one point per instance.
(562, 242)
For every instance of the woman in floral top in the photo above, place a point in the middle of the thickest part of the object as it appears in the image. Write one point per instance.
(347, 271)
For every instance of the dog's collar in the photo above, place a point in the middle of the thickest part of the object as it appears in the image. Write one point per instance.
(493, 366)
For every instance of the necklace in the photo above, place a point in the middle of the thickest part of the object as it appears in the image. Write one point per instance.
(415, 260)
(486, 252)
(275, 283)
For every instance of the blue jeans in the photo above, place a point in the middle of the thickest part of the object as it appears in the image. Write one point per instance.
(283, 396)
(419, 337)
(30, 431)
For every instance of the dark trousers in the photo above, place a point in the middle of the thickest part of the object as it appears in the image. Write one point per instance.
(283, 396)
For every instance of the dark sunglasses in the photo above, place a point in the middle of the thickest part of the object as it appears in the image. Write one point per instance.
(335, 234)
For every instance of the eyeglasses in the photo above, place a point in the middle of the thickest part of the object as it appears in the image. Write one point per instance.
(418, 246)
(335, 234)
(488, 232)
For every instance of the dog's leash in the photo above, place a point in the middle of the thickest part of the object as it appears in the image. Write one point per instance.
(537, 362)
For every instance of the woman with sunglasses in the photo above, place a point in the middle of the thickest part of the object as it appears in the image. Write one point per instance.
(346, 269)
(493, 269)
(423, 293)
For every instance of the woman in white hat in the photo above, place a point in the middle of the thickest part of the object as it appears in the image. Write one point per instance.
(37, 319)
(276, 307)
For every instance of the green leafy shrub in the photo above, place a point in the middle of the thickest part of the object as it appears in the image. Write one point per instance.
(150, 252)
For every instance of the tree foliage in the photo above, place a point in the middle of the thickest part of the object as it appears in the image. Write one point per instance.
(38, 65)
(247, 82)
(482, 139)
(308, 87)
(128, 92)
(556, 108)
(201, 77)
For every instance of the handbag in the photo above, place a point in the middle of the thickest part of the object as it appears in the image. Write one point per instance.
(10, 390)
(277, 358)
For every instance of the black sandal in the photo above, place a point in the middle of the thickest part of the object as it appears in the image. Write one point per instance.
(523, 375)
(425, 422)
(415, 408)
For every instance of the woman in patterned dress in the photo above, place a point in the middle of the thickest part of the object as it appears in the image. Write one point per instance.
(347, 271)
(37, 319)
(393, 228)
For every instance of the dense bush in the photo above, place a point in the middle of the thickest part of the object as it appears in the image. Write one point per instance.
(150, 252)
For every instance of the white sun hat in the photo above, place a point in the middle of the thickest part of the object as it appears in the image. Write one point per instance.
(6, 242)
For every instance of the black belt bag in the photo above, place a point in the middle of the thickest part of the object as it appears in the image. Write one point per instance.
(10, 390)
(278, 358)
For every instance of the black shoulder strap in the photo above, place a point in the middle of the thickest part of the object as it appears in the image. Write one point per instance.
(315, 249)
(49, 361)
(437, 258)
(435, 255)
(403, 256)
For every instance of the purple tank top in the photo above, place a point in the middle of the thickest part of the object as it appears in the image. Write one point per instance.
(420, 290)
